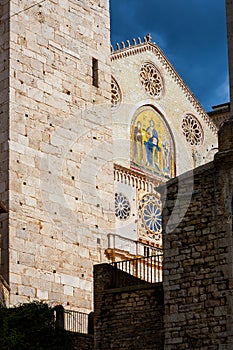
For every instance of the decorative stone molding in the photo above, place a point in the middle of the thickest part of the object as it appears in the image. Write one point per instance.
(151, 79)
(133, 178)
(115, 94)
(152, 213)
(123, 45)
(150, 216)
(192, 130)
(138, 47)
(122, 248)
(122, 206)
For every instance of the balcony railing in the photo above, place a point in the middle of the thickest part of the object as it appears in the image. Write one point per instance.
(75, 321)
(146, 269)
(132, 247)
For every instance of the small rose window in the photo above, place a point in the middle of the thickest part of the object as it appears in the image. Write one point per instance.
(192, 130)
(115, 94)
(151, 79)
(122, 206)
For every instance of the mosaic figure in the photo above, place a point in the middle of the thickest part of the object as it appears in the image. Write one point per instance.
(138, 143)
(166, 156)
(152, 145)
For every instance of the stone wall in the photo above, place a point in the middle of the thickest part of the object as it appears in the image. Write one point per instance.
(4, 132)
(197, 239)
(220, 114)
(61, 171)
(129, 317)
(82, 341)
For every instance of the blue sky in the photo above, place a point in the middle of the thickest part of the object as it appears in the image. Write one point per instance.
(191, 33)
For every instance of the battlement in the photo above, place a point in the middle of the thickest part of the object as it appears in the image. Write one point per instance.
(119, 46)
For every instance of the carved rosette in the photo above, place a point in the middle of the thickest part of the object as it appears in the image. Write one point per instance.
(192, 130)
(122, 206)
(115, 94)
(150, 216)
(151, 79)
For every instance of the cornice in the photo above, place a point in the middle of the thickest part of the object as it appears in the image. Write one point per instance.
(136, 178)
(138, 48)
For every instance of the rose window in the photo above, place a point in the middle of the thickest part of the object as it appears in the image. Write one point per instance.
(150, 215)
(115, 94)
(122, 206)
(192, 130)
(151, 79)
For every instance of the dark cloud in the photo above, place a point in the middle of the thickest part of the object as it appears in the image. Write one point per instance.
(192, 34)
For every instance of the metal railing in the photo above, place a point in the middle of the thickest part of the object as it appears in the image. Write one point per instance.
(147, 269)
(75, 321)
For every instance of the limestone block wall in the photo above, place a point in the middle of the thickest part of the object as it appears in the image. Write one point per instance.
(60, 149)
(197, 242)
(4, 131)
(82, 341)
(127, 317)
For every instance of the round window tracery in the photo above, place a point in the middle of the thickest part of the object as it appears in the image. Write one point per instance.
(122, 206)
(151, 216)
(115, 94)
(192, 130)
(151, 79)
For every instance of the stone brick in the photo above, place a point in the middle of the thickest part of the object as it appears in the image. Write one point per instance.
(203, 318)
(42, 110)
(127, 316)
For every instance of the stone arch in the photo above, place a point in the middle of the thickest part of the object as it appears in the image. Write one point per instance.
(152, 143)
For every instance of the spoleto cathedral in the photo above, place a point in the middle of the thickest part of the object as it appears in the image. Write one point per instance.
(88, 131)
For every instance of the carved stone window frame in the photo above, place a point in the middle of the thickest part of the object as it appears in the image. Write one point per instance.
(192, 130)
(122, 206)
(147, 81)
(116, 94)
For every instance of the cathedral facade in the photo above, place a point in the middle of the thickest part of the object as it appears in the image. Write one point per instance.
(87, 134)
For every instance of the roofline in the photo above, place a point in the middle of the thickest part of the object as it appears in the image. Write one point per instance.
(149, 46)
(226, 104)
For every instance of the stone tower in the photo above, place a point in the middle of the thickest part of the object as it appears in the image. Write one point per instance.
(71, 143)
(56, 169)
